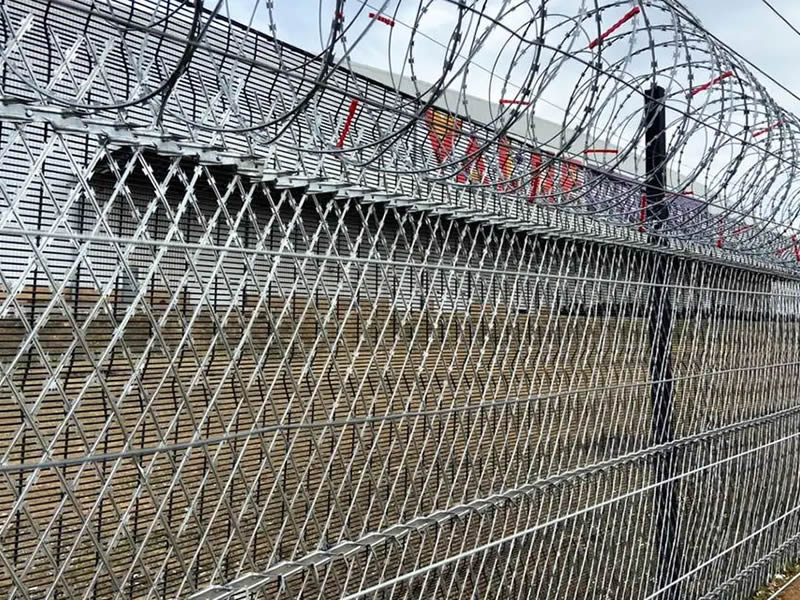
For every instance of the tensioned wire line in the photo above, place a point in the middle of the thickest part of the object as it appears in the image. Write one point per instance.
(563, 518)
(694, 21)
(415, 414)
(727, 550)
(782, 18)
(383, 262)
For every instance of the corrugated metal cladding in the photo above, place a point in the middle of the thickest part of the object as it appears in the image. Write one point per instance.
(209, 385)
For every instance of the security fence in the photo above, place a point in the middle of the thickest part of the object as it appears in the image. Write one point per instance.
(274, 327)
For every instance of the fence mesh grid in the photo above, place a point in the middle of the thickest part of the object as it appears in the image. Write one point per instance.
(234, 366)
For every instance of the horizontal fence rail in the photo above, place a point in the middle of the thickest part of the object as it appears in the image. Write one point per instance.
(278, 324)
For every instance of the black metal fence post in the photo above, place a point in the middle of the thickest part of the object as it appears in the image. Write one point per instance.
(660, 330)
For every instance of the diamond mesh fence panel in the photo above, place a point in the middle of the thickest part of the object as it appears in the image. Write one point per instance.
(232, 367)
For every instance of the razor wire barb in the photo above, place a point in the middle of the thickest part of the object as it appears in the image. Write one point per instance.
(346, 299)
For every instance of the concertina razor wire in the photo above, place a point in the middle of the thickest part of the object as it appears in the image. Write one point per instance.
(356, 320)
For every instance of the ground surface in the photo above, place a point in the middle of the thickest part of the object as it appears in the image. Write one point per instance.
(791, 593)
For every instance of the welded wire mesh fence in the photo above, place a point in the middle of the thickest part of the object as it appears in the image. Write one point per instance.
(275, 325)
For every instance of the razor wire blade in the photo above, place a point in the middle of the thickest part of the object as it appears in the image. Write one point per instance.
(462, 87)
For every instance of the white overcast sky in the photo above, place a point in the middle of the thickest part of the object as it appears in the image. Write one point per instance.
(750, 28)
